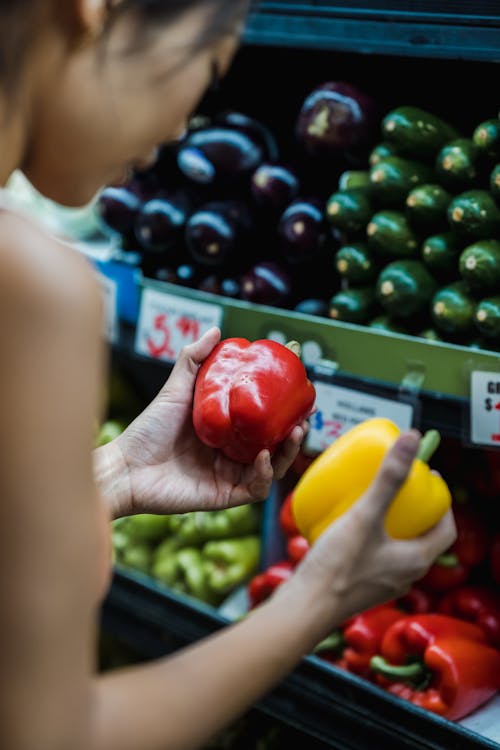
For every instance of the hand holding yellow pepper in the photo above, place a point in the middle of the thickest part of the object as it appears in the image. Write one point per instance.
(345, 470)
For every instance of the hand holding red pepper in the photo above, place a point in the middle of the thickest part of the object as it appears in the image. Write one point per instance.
(249, 396)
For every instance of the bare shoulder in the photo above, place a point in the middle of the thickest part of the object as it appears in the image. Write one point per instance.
(42, 275)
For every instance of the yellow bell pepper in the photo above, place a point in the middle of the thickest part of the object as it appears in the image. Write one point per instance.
(344, 471)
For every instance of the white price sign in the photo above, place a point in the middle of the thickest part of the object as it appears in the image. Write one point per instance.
(110, 321)
(485, 408)
(339, 409)
(168, 322)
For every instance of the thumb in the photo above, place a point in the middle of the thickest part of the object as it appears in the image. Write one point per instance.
(392, 474)
(189, 360)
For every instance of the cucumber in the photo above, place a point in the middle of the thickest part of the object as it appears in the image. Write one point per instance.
(349, 211)
(486, 137)
(385, 323)
(353, 305)
(479, 265)
(453, 309)
(393, 177)
(440, 253)
(487, 317)
(405, 288)
(457, 164)
(381, 151)
(415, 132)
(474, 214)
(426, 207)
(355, 263)
(495, 183)
(354, 179)
(390, 235)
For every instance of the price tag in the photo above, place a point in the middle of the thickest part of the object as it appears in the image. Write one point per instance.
(339, 409)
(485, 408)
(110, 321)
(168, 322)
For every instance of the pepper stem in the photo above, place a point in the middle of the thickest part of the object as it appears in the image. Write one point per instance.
(333, 642)
(404, 672)
(294, 347)
(428, 445)
(449, 560)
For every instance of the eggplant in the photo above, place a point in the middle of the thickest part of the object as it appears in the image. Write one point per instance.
(187, 274)
(301, 229)
(335, 116)
(274, 186)
(213, 284)
(216, 232)
(218, 155)
(313, 306)
(266, 283)
(118, 208)
(165, 274)
(255, 129)
(160, 224)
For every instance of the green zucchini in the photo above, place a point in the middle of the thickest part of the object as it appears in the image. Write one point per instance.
(426, 207)
(391, 236)
(354, 179)
(457, 164)
(393, 177)
(385, 323)
(353, 305)
(474, 214)
(405, 288)
(349, 211)
(495, 183)
(486, 137)
(415, 132)
(355, 263)
(487, 317)
(381, 151)
(440, 253)
(479, 265)
(452, 310)
(430, 334)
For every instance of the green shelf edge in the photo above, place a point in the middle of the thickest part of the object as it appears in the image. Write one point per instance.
(359, 352)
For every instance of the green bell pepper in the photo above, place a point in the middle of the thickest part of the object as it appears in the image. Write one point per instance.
(230, 562)
(201, 526)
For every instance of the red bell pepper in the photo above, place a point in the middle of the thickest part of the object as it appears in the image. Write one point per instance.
(495, 558)
(477, 604)
(363, 636)
(297, 547)
(439, 663)
(261, 586)
(416, 601)
(249, 396)
(286, 519)
(470, 548)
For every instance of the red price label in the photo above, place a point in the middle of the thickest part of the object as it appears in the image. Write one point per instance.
(167, 323)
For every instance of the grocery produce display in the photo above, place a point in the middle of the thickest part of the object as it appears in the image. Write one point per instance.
(381, 216)
(438, 645)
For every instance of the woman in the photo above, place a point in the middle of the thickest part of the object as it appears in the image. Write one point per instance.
(89, 88)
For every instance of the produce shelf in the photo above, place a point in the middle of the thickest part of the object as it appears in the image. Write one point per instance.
(455, 30)
(327, 703)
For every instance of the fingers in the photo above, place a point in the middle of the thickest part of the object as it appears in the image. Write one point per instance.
(190, 358)
(391, 475)
(289, 450)
(260, 485)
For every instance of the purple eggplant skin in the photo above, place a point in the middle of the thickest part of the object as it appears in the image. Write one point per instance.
(218, 155)
(216, 231)
(165, 274)
(313, 306)
(301, 229)
(118, 208)
(226, 287)
(334, 116)
(254, 128)
(266, 283)
(160, 224)
(274, 186)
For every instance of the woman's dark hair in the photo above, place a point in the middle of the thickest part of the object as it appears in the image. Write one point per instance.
(17, 18)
